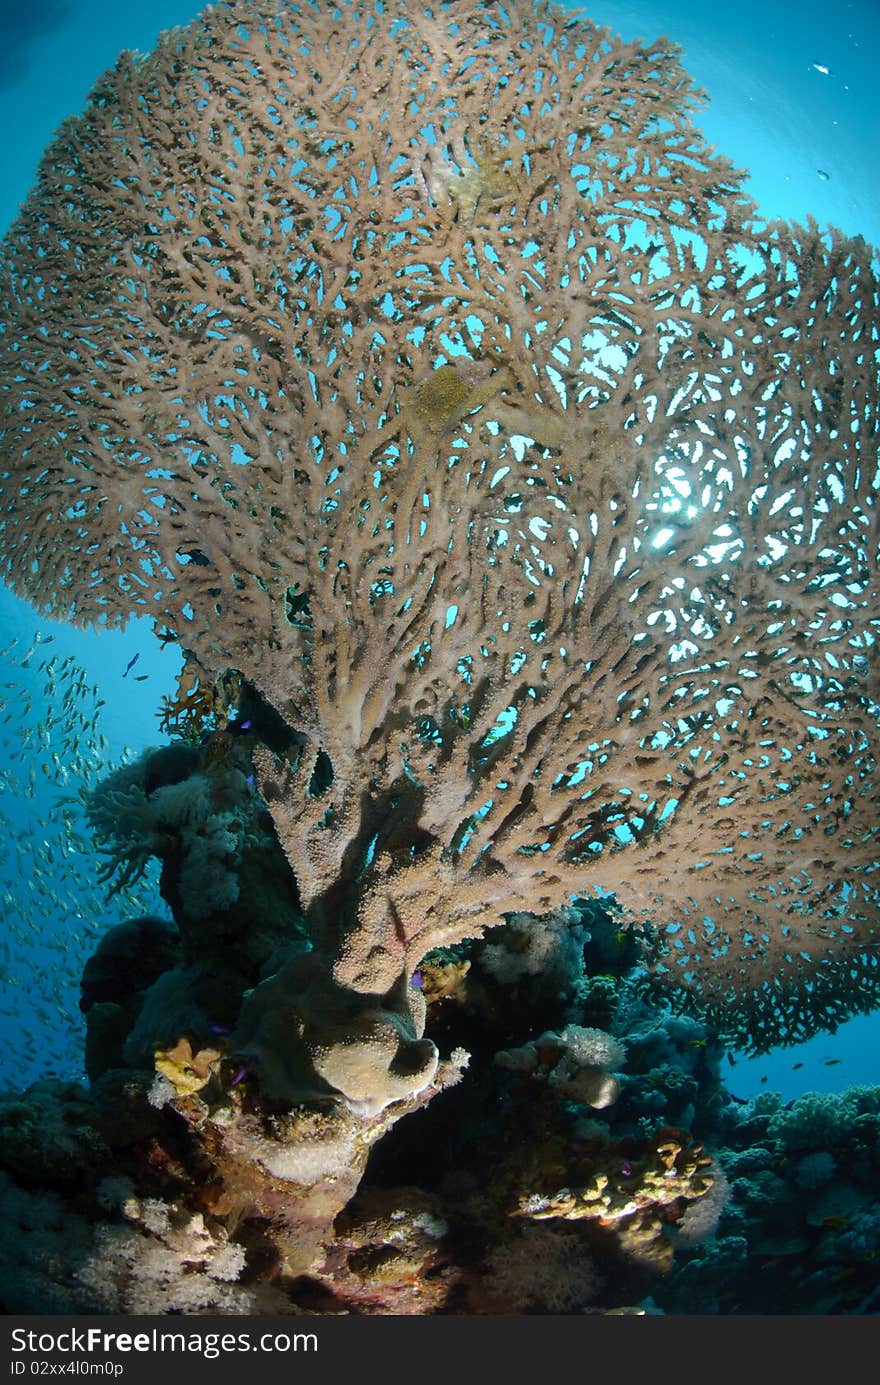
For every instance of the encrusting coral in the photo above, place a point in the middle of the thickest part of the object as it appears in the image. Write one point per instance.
(510, 487)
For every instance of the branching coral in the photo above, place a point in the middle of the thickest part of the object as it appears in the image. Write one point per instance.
(671, 1173)
(527, 474)
(196, 707)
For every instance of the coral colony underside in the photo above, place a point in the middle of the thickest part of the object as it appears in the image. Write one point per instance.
(510, 488)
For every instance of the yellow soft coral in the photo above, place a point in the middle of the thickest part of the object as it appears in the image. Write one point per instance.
(188, 1072)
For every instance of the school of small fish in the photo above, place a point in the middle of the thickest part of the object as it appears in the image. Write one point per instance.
(52, 752)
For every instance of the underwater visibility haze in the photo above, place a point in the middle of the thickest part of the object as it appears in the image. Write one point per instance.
(439, 519)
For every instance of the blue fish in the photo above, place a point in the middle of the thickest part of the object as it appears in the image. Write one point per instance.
(130, 665)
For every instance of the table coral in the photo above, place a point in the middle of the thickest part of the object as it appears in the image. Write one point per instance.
(502, 451)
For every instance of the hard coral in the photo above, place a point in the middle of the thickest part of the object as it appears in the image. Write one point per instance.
(519, 466)
(308, 1038)
(636, 1193)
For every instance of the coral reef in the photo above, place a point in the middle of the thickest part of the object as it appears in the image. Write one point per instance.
(240, 1130)
(207, 1184)
(510, 487)
(799, 1231)
(521, 471)
(236, 1167)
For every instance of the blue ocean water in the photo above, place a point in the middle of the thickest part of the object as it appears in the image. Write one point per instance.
(793, 97)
